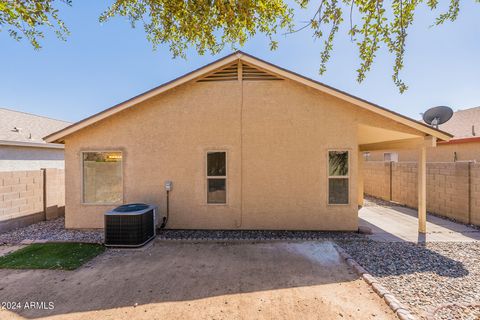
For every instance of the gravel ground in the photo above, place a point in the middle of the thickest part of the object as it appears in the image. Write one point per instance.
(425, 276)
(370, 201)
(255, 235)
(52, 230)
(457, 311)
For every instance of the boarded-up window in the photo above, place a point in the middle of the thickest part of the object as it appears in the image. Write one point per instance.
(102, 177)
(338, 177)
(216, 177)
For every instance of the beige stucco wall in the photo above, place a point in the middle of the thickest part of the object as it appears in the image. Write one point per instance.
(442, 153)
(276, 133)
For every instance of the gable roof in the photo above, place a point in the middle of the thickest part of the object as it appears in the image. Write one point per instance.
(253, 61)
(25, 129)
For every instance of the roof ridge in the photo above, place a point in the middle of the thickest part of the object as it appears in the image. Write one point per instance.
(35, 115)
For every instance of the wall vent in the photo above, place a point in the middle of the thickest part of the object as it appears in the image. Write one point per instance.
(253, 73)
(230, 73)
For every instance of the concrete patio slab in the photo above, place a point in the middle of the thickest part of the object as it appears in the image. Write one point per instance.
(396, 223)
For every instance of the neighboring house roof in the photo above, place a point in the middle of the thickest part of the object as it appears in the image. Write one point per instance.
(25, 129)
(464, 123)
(241, 56)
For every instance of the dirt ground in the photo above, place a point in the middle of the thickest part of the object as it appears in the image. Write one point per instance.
(186, 280)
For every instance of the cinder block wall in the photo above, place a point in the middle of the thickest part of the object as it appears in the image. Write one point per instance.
(27, 197)
(453, 189)
(377, 179)
(475, 192)
(404, 183)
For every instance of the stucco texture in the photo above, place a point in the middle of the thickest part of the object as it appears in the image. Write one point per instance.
(276, 133)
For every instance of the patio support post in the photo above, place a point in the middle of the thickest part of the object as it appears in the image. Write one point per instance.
(360, 180)
(422, 189)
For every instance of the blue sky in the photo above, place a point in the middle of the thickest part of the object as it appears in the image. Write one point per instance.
(101, 65)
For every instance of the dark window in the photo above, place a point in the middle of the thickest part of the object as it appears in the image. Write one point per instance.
(217, 177)
(216, 164)
(338, 191)
(217, 191)
(338, 177)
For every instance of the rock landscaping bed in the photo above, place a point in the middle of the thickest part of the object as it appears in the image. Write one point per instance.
(255, 235)
(53, 230)
(428, 278)
(457, 311)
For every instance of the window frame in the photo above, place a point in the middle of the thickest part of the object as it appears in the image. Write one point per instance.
(338, 177)
(82, 195)
(390, 155)
(366, 155)
(207, 177)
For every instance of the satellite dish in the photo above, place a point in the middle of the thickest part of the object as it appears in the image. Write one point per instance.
(437, 115)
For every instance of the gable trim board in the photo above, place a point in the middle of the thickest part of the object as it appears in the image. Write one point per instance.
(242, 58)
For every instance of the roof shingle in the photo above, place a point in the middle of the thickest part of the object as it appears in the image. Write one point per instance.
(461, 123)
(24, 127)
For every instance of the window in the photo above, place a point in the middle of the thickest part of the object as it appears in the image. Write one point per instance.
(366, 156)
(338, 177)
(390, 156)
(102, 177)
(216, 177)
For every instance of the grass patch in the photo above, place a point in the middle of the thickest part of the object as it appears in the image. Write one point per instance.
(63, 256)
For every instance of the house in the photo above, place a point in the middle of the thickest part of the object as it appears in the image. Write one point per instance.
(21, 141)
(465, 146)
(246, 144)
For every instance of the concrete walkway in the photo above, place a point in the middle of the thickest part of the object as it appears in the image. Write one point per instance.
(395, 223)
